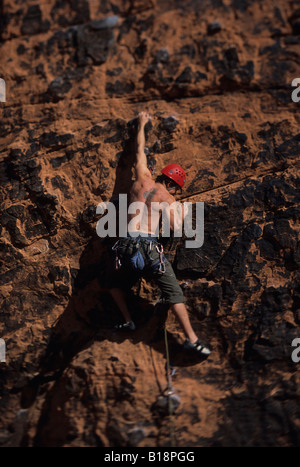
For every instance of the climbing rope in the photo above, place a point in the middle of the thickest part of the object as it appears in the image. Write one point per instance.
(170, 391)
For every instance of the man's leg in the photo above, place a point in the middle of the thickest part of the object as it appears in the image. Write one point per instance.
(118, 296)
(172, 293)
(182, 316)
(192, 343)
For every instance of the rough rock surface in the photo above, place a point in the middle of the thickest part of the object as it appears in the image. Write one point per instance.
(216, 77)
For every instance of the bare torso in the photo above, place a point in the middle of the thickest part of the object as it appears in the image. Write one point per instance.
(148, 193)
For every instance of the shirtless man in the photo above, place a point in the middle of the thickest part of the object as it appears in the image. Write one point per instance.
(140, 254)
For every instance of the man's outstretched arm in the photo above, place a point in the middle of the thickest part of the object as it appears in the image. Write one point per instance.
(141, 169)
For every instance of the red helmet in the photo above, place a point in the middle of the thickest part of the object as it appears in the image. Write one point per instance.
(176, 173)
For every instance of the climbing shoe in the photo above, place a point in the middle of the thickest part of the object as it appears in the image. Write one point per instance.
(130, 326)
(198, 348)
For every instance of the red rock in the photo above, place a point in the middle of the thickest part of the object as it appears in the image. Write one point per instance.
(76, 75)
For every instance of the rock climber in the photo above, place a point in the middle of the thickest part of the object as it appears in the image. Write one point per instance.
(141, 255)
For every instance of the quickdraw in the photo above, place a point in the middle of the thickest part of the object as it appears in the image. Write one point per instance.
(117, 260)
(160, 250)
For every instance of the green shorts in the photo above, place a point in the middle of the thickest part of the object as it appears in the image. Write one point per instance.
(126, 276)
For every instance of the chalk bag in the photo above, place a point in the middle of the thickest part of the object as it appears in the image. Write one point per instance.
(137, 260)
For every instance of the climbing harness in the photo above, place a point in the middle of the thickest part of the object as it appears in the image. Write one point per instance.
(137, 261)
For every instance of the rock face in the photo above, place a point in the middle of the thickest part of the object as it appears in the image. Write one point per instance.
(216, 77)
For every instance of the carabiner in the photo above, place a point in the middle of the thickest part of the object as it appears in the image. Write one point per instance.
(162, 267)
(115, 247)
